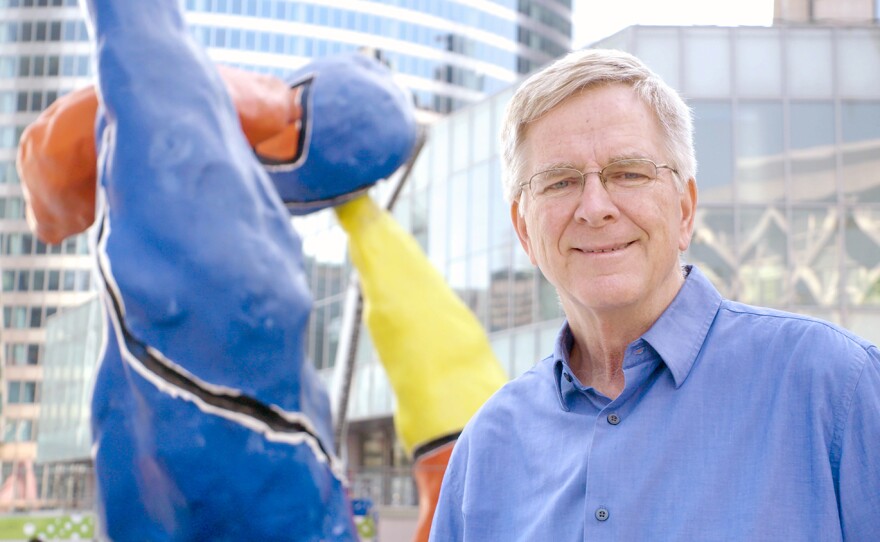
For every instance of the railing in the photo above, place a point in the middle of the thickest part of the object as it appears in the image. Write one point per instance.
(72, 487)
(385, 486)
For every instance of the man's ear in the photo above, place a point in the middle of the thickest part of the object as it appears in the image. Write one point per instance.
(522, 230)
(688, 199)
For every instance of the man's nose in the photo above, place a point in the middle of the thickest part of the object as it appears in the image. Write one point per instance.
(595, 206)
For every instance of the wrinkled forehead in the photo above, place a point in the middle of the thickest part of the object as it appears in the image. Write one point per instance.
(593, 127)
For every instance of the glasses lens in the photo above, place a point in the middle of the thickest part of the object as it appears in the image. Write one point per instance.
(629, 173)
(555, 183)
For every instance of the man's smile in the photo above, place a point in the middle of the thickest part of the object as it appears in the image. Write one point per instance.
(602, 250)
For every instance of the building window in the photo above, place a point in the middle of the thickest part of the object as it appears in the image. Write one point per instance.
(15, 354)
(18, 431)
(69, 280)
(21, 392)
(54, 280)
(83, 280)
(25, 431)
(36, 317)
(8, 280)
(33, 354)
(8, 173)
(24, 280)
(39, 280)
(10, 431)
(15, 317)
(18, 244)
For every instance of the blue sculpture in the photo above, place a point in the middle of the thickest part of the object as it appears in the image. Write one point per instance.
(208, 421)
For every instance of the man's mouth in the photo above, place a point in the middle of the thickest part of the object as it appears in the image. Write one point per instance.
(609, 249)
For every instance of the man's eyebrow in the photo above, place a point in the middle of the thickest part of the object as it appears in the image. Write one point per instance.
(555, 165)
(636, 155)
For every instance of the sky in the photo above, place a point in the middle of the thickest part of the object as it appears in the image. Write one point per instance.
(597, 19)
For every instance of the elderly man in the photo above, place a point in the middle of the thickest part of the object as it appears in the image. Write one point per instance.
(665, 412)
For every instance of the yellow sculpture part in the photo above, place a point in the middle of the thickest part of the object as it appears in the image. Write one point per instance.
(434, 350)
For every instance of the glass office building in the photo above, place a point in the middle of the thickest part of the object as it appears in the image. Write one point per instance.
(450, 53)
(74, 339)
(788, 146)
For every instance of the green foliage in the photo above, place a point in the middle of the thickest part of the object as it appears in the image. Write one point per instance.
(47, 527)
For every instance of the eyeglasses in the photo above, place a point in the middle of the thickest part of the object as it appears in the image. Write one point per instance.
(617, 177)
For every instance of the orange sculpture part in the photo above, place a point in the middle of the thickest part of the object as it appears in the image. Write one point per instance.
(57, 154)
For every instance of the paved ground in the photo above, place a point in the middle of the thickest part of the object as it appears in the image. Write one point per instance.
(397, 524)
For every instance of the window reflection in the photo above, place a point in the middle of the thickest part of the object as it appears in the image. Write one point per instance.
(760, 167)
(763, 256)
(812, 154)
(500, 226)
(524, 351)
(809, 63)
(707, 62)
(659, 49)
(714, 147)
(815, 273)
(549, 306)
(461, 135)
(758, 62)
(858, 63)
(437, 220)
(861, 150)
(480, 192)
(478, 285)
(862, 257)
(499, 290)
(712, 245)
(459, 215)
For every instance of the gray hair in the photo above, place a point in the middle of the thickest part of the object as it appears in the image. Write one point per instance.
(585, 69)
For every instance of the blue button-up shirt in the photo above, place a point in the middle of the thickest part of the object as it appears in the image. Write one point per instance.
(736, 423)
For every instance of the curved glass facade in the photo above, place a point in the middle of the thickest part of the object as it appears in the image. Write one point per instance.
(450, 53)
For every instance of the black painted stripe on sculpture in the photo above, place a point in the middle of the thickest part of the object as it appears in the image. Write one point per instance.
(239, 404)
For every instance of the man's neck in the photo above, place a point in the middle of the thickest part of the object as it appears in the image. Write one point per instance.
(602, 337)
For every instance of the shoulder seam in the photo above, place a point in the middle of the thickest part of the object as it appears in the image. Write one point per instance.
(846, 334)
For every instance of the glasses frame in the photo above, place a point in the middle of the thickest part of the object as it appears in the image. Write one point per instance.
(601, 174)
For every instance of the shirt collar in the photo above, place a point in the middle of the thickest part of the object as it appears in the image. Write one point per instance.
(679, 333)
(677, 336)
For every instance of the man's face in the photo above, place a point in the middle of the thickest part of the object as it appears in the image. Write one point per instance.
(605, 252)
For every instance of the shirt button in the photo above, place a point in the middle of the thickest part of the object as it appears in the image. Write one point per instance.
(602, 514)
(613, 419)
(567, 376)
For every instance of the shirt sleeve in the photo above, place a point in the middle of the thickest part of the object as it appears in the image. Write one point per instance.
(859, 470)
(448, 524)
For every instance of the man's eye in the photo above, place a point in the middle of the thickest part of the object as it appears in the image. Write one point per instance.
(556, 185)
(559, 184)
(627, 176)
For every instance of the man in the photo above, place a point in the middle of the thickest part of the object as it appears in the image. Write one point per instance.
(665, 412)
